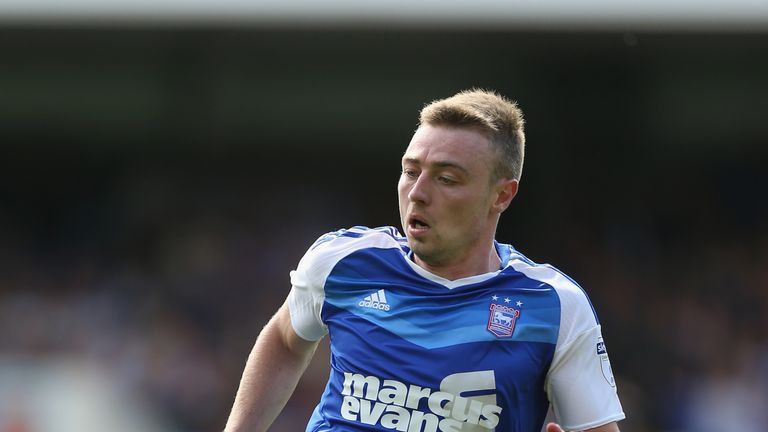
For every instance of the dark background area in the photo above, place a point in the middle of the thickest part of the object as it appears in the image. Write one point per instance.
(158, 184)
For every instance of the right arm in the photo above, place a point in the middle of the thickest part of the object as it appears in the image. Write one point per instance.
(276, 363)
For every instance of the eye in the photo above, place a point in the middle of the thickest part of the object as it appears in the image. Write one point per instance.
(446, 180)
(410, 172)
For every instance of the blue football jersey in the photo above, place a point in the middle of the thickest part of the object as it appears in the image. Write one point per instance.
(413, 352)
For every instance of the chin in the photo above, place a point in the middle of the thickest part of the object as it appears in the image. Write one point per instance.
(424, 254)
(416, 247)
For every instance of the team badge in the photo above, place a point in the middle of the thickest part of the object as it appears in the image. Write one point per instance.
(501, 321)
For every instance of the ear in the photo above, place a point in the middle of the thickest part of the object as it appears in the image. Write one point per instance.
(504, 191)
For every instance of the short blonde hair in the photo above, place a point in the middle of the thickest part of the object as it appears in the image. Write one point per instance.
(494, 115)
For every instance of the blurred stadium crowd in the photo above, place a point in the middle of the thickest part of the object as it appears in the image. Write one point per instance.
(141, 251)
(169, 325)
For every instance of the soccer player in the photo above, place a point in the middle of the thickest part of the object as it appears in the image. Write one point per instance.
(444, 329)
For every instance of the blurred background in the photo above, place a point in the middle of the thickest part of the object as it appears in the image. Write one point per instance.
(163, 166)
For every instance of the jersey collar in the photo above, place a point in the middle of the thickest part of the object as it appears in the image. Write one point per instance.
(502, 250)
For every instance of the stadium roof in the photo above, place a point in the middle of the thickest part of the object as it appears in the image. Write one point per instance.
(727, 15)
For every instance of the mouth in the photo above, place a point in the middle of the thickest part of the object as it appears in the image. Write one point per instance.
(417, 225)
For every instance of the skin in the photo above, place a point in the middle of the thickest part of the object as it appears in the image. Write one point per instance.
(447, 184)
(277, 361)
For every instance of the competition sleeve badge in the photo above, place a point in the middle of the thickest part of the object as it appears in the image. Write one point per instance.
(501, 321)
(605, 364)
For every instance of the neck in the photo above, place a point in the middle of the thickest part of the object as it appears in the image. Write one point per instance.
(472, 265)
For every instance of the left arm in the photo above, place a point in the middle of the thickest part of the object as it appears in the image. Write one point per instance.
(580, 384)
(610, 427)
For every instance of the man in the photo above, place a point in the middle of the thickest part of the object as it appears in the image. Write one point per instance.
(444, 329)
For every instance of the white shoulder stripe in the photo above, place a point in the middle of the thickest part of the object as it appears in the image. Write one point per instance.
(576, 312)
(543, 273)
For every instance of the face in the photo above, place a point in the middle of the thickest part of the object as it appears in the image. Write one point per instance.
(449, 208)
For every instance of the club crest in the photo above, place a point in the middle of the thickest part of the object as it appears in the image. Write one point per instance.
(501, 321)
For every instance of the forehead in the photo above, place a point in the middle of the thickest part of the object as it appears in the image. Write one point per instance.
(465, 147)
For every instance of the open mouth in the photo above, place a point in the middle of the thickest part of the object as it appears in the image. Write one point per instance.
(417, 224)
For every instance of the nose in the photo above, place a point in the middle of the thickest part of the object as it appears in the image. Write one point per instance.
(420, 192)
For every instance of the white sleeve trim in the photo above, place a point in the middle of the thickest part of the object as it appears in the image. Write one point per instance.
(598, 423)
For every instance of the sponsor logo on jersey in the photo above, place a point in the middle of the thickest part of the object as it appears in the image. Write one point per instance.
(501, 321)
(601, 348)
(377, 300)
(605, 363)
(410, 408)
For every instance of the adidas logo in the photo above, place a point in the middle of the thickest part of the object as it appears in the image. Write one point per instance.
(377, 300)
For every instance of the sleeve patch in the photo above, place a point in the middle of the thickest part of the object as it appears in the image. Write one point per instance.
(605, 363)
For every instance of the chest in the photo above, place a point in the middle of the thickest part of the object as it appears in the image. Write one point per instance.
(385, 319)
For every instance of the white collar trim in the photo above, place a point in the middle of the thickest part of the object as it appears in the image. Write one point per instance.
(450, 284)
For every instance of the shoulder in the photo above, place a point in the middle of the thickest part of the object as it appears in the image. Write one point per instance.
(359, 237)
(332, 247)
(576, 311)
(345, 241)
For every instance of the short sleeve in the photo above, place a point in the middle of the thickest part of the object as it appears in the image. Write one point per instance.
(305, 301)
(305, 305)
(580, 383)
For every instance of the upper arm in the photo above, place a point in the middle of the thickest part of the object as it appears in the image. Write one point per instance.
(580, 383)
(294, 343)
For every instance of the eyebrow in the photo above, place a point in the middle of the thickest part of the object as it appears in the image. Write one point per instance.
(439, 164)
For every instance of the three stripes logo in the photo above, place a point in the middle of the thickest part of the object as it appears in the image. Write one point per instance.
(377, 300)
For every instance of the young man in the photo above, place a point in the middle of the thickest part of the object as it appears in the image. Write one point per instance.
(444, 329)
